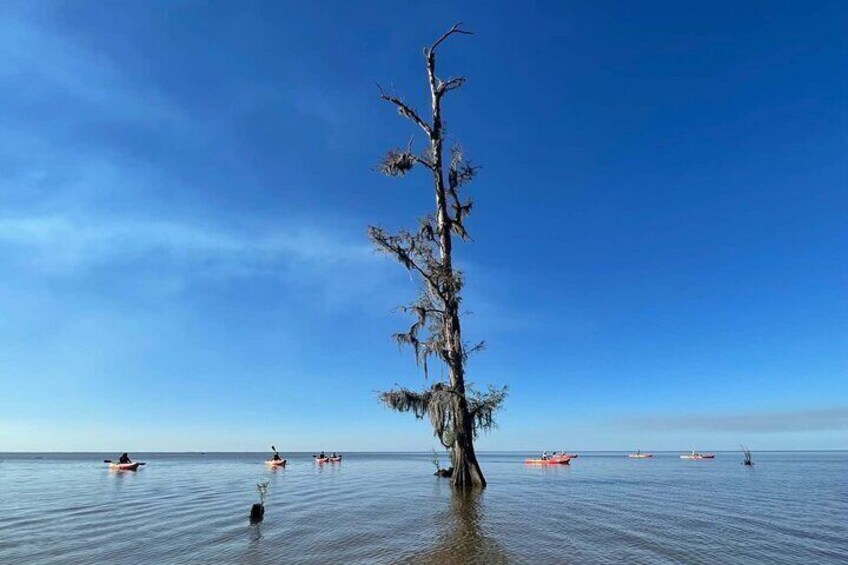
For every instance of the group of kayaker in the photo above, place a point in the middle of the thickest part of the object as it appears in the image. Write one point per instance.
(276, 458)
(553, 455)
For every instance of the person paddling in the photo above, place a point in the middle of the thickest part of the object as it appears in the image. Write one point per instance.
(124, 459)
(276, 456)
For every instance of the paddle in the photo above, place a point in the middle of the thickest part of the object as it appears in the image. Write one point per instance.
(110, 461)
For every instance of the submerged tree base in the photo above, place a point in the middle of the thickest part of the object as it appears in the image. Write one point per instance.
(257, 513)
(444, 473)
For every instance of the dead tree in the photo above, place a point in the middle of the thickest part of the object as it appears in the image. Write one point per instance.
(747, 460)
(456, 411)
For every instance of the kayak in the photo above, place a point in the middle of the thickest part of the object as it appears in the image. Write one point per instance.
(554, 461)
(124, 466)
(640, 455)
(322, 460)
(334, 459)
(698, 456)
(276, 462)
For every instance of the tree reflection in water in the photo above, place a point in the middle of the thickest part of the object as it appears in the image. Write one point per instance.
(461, 537)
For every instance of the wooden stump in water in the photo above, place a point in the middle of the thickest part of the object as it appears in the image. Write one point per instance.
(257, 513)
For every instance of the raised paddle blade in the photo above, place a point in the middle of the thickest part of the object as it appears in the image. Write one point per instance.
(274, 449)
(107, 460)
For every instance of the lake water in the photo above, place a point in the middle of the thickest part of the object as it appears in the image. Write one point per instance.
(387, 508)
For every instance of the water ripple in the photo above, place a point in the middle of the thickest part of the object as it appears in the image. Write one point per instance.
(381, 508)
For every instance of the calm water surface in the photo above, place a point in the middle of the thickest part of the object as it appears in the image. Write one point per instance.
(386, 508)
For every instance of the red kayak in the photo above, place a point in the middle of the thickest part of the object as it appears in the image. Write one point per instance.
(322, 460)
(276, 462)
(124, 466)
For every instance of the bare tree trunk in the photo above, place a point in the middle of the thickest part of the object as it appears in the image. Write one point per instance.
(466, 469)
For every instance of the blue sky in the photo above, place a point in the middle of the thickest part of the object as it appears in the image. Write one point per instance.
(660, 256)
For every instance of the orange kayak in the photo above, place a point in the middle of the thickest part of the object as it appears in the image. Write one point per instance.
(124, 466)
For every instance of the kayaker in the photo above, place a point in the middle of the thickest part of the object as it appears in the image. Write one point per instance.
(545, 455)
(334, 456)
(322, 456)
(124, 459)
(276, 457)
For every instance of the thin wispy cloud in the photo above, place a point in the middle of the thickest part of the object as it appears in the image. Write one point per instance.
(80, 204)
(776, 421)
(61, 246)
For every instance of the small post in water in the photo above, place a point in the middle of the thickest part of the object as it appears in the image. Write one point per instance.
(257, 511)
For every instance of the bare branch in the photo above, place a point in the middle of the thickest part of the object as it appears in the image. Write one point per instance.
(476, 348)
(455, 29)
(421, 160)
(451, 84)
(404, 110)
(399, 246)
(424, 161)
(413, 252)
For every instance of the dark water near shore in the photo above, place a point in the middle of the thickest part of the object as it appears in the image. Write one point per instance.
(386, 508)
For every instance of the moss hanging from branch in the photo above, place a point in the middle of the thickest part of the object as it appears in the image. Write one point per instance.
(439, 402)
